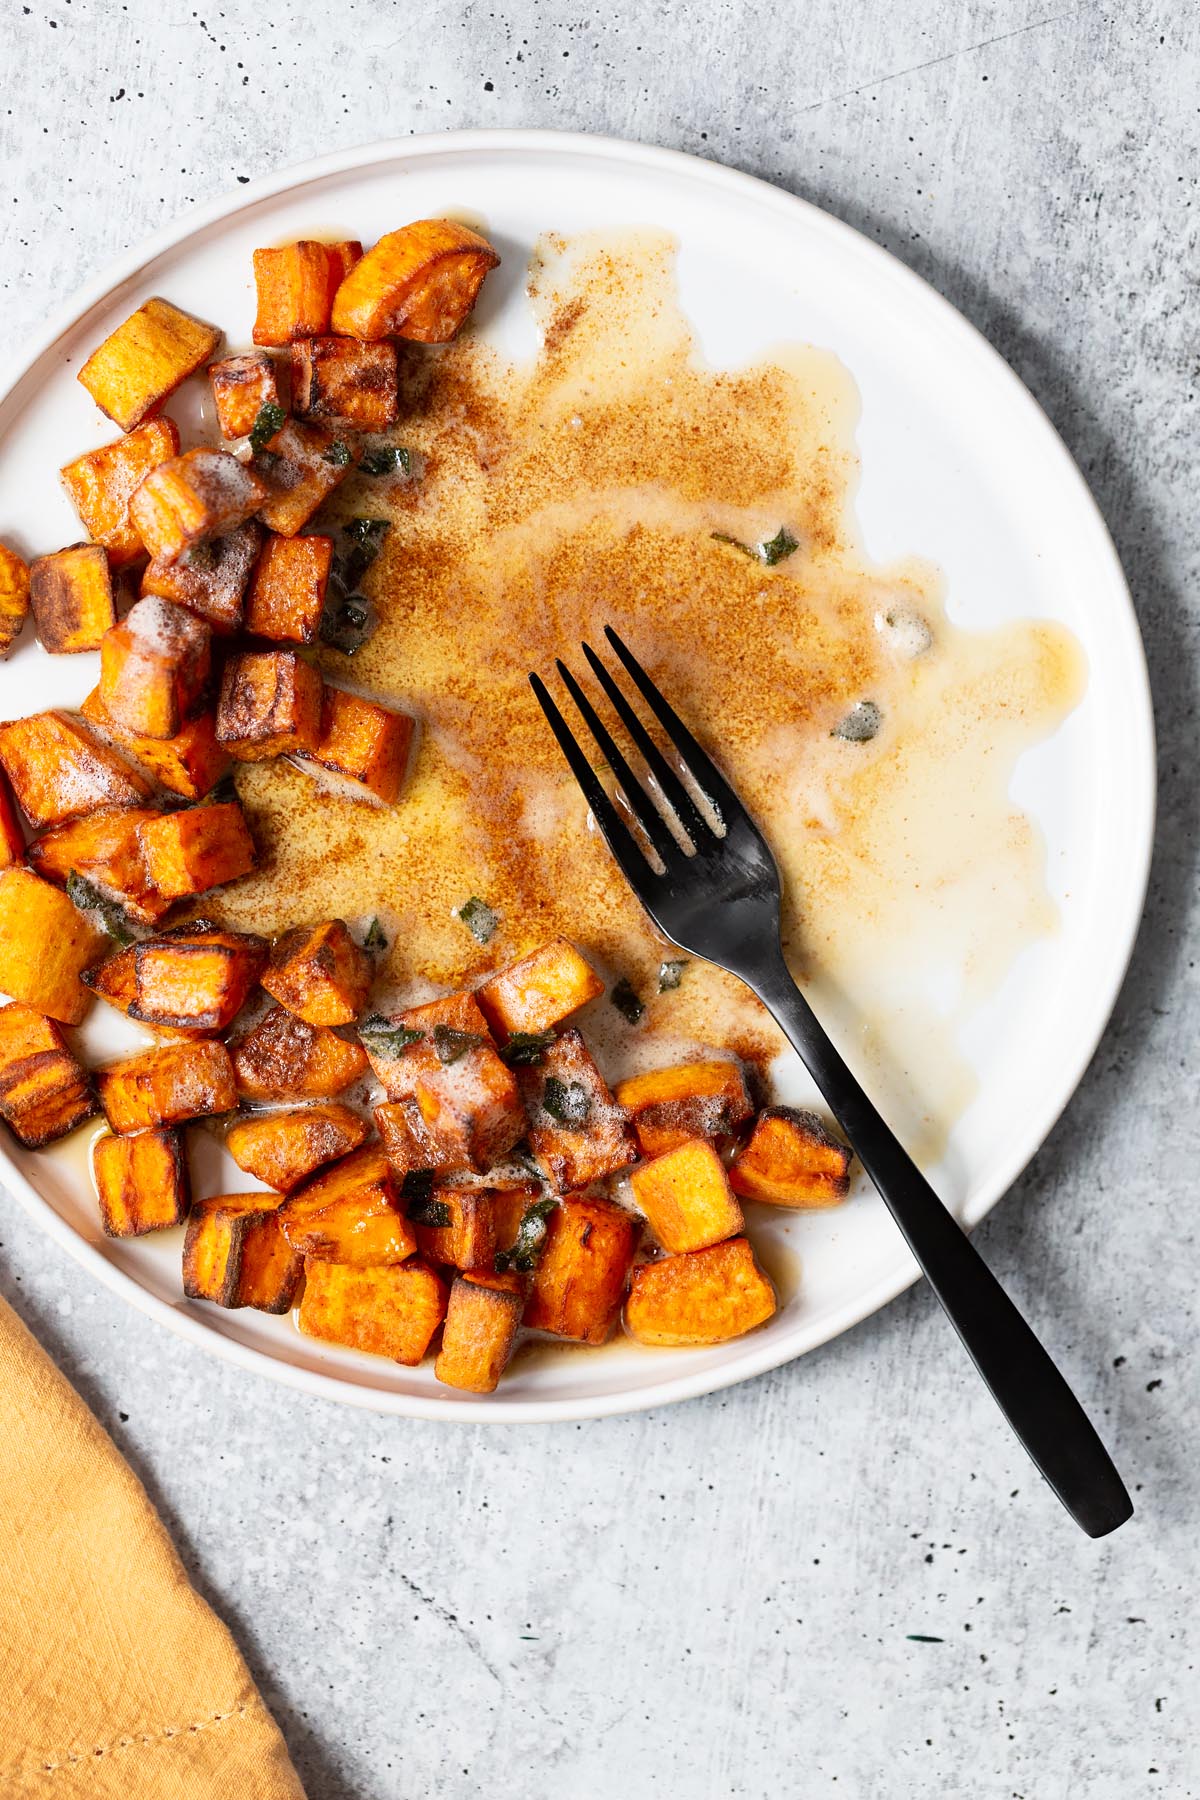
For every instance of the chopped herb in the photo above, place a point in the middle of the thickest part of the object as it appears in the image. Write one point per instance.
(451, 1044)
(368, 534)
(478, 918)
(771, 551)
(919, 1637)
(389, 460)
(338, 453)
(567, 1101)
(385, 1038)
(416, 1190)
(526, 1047)
(88, 898)
(860, 724)
(670, 974)
(626, 1001)
(531, 1235)
(363, 540)
(347, 623)
(266, 423)
(375, 939)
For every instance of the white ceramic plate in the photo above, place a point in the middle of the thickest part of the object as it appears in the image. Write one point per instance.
(958, 462)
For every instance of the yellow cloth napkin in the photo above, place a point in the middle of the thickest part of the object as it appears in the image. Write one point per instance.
(115, 1678)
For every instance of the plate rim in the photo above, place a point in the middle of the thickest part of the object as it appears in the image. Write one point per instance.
(760, 1355)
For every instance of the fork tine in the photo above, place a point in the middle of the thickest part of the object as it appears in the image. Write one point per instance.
(649, 817)
(617, 835)
(696, 825)
(700, 765)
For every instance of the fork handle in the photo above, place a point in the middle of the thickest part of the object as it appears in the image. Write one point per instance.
(1024, 1381)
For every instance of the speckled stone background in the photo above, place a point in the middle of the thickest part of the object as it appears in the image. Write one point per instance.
(842, 1578)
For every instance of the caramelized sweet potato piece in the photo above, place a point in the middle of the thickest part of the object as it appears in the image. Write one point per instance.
(389, 1311)
(105, 849)
(341, 381)
(241, 387)
(235, 1254)
(511, 1204)
(282, 1149)
(200, 848)
(791, 1159)
(539, 991)
(101, 481)
(45, 945)
(349, 1214)
(200, 495)
(300, 469)
(14, 596)
(693, 1100)
(686, 1197)
(59, 769)
(419, 282)
(141, 1182)
(285, 1059)
(165, 1086)
(577, 1131)
(456, 1225)
(154, 668)
(196, 977)
(478, 1335)
(363, 743)
(704, 1297)
(144, 360)
(296, 284)
(209, 579)
(270, 705)
(44, 1093)
(115, 981)
(319, 973)
(579, 1280)
(71, 593)
(408, 1141)
(468, 1098)
(191, 763)
(287, 593)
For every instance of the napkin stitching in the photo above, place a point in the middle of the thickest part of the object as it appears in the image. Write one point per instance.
(168, 1731)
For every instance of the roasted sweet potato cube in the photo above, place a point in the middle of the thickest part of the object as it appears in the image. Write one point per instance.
(296, 284)
(363, 743)
(792, 1159)
(270, 705)
(287, 593)
(241, 387)
(44, 1093)
(389, 1311)
(456, 1225)
(341, 381)
(350, 1213)
(101, 482)
(539, 991)
(200, 495)
(45, 945)
(14, 596)
(105, 849)
(115, 982)
(300, 468)
(141, 1182)
(197, 977)
(468, 1098)
(319, 973)
(210, 579)
(144, 360)
(190, 1080)
(704, 1297)
(285, 1059)
(419, 282)
(408, 1141)
(478, 1335)
(71, 593)
(511, 1204)
(282, 1149)
(200, 848)
(577, 1131)
(686, 1197)
(154, 668)
(235, 1254)
(191, 763)
(692, 1100)
(59, 769)
(579, 1279)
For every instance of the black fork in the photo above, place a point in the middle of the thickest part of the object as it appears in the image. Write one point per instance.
(704, 872)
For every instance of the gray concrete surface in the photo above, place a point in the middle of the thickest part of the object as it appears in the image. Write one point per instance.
(842, 1578)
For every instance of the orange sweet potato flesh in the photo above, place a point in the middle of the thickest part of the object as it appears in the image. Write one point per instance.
(71, 594)
(391, 1311)
(686, 1197)
(792, 1159)
(270, 705)
(144, 360)
(285, 1059)
(59, 769)
(539, 991)
(101, 481)
(287, 592)
(478, 1336)
(211, 578)
(468, 1238)
(190, 764)
(296, 284)
(154, 668)
(14, 596)
(364, 744)
(105, 849)
(200, 495)
(195, 978)
(235, 1254)
(241, 387)
(580, 1277)
(298, 473)
(141, 1182)
(468, 1098)
(200, 848)
(577, 1131)
(408, 1141)
(12, 838)
(319, 973)
(166, 1086)
(342, 381)
(705, 1297)
(44, 1093)
(419, 282)
(692, 1100)
(282, 1149)
(350, 1213)
(45, 945)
